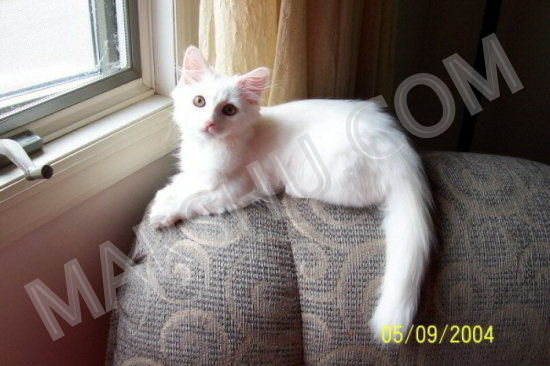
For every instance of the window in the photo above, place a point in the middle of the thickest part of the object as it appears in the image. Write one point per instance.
(57, 53)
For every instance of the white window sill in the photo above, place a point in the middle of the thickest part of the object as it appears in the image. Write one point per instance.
(85, 162)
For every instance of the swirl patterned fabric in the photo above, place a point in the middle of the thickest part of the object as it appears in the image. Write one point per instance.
(293, 281)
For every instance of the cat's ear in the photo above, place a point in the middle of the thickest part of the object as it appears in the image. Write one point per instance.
(194, 66)
(252, 85)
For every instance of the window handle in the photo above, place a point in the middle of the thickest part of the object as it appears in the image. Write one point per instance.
(15, 152)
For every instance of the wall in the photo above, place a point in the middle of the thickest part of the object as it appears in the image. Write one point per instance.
(109, 216)
(427, 32)
(517, 124)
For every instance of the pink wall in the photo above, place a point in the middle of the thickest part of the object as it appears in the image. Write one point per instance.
(108, 216)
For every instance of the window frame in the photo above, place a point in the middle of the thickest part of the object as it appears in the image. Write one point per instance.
(25, 118)
(100, 141)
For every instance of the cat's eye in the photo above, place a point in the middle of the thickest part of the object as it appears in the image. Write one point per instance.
(229, 109)
(199, 101)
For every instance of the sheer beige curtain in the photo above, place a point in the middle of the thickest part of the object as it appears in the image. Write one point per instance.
(315, 48)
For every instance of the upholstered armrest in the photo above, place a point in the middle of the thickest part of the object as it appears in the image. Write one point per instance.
(295, 281)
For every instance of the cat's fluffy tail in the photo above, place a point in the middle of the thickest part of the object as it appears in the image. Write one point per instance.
(408, 229)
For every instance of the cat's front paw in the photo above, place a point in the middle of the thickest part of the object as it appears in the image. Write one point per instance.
(163, 220)
(164, 211)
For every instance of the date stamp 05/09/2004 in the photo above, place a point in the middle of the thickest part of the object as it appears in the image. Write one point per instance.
(436, 335)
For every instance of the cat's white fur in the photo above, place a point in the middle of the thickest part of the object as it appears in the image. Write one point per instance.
(303, 148)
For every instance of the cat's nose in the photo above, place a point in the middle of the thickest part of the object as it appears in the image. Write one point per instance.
(209, 124)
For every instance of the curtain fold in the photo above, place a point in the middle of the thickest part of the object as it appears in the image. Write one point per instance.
(289, 74)
(315, 49)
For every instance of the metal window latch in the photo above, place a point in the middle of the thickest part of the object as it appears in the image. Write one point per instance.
(15, 149)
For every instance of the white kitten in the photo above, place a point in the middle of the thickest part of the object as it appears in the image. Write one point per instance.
(306, 149)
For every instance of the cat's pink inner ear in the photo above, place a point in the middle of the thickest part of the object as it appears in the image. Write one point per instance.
(194, 66)
(252, 85)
